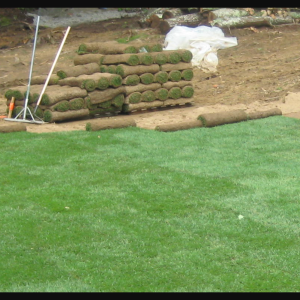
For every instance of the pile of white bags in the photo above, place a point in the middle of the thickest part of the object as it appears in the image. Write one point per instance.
(202, 41)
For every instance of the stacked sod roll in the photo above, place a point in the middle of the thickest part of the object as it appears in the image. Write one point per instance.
(111, 78)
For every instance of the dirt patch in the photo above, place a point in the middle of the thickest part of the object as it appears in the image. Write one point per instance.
(260, 73)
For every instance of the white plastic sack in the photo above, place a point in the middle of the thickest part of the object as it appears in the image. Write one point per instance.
(202, 41)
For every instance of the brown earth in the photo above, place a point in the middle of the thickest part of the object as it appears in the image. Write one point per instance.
(261, 72)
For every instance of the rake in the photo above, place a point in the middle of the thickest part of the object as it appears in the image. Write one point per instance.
(26, 110)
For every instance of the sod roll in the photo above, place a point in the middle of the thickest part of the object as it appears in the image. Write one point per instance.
(132, 98)
(87, 59)
(83, 81)
(161, 58)
(133, 79)
(185, 55)
(118, 101)
(76, 104)
(147, 78)
(141, 106)
(148, 96)
(141, 88)
(75, 71)
(60, 106)
(110, 123)
(180, 84)
(55, 116)
(8, 126)
(161, 94)
(110, 47)
(187, 74)
(125, 70)
(187, 91)
(149, 46)
(179, 126)
(161, 77)
(54, 94)
(174, 75)
(221, 118)
(105, 95)
(180, 66)
(174, 93)
(264, 114)
(41, 79)
(145, 58)
(129, 59)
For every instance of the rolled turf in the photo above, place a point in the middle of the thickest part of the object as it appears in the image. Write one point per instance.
(12, 127)
(87, 58)
(124, 70)
(187, 74)
(129, 59)
(110, 123)
(133, 79)
(54, 116)
(264, 114)
(75, 71)
(147, 78)
(148, 96)
(187, 91)
(174, 93)
(77, 103)
(161, 77)
(174, 75)
(179, 126)
(132, 98)
(161, 94)
(221, 118)
(110, 47)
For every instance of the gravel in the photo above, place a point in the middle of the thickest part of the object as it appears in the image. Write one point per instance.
(63, 16)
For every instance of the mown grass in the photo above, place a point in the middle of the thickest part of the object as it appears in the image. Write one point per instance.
(135, 210)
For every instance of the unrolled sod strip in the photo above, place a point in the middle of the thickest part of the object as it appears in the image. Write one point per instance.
(221, 118)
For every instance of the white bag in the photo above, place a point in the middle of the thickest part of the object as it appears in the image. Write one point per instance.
(202, 41)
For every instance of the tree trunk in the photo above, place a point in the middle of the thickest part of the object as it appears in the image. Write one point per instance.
(249, 21)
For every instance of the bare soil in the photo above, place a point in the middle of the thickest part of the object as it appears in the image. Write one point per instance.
(261, 72)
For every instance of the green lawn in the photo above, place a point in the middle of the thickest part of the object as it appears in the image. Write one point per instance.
(135, 210)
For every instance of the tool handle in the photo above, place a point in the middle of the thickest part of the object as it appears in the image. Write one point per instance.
(53, 65)
(11, 107)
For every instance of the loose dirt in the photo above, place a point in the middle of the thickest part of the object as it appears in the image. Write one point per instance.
(260, 73)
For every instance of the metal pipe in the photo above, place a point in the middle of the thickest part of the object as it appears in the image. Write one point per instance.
(51, 70)
(31, 66)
